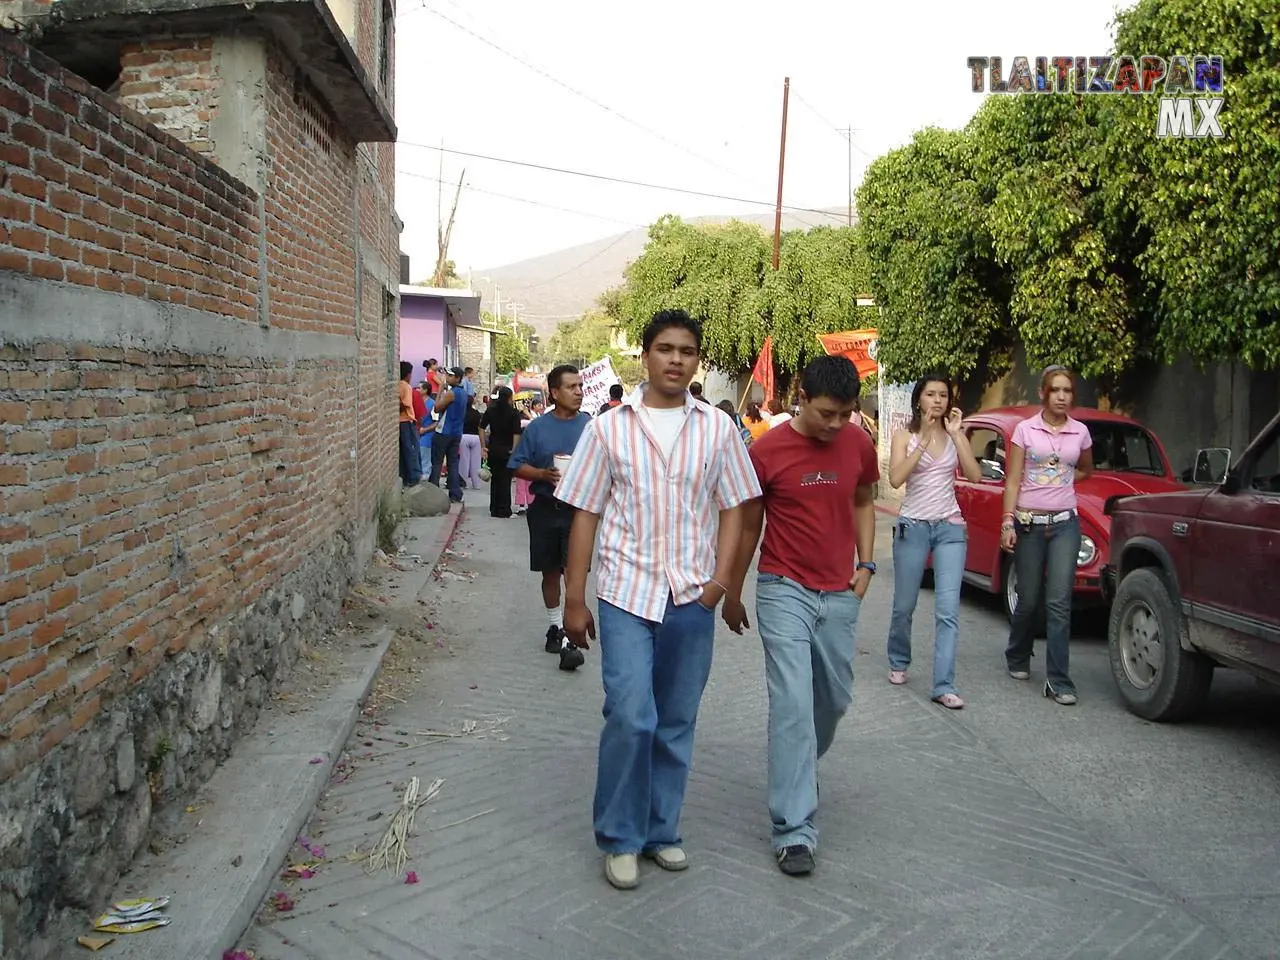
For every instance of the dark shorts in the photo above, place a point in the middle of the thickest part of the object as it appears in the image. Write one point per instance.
(549, 523)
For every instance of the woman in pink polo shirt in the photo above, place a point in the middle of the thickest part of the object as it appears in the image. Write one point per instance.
(1049, 454)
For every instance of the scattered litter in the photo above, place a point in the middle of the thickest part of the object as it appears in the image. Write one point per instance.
(391, 852)
(133, 916)
(411, 877)
(315, 760)
(299, 871)
(281, 902)
(95, 943)
(237, 860)
(239, 955)
(474, 816)
(486, 728)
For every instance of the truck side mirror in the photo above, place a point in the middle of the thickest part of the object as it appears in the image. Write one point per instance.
(1211, 465)
(1231, 484)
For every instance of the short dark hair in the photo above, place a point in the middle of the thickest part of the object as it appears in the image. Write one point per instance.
(833, 377)
(665, 320)
(406, 369)
(695, 388)
(616, 391)
(469, 370)
(431, 361)
(558, 373)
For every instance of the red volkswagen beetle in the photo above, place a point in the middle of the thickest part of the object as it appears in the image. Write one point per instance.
(1127, 458)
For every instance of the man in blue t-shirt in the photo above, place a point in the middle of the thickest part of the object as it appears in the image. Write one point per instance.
(451, 411)
(554, 433)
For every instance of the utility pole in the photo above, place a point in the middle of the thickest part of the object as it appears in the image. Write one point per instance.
(782, 159)
(849, 137)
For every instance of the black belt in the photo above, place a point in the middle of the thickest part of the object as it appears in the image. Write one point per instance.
(546, 501)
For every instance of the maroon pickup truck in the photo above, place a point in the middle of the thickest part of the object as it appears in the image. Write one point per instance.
(1195, 580)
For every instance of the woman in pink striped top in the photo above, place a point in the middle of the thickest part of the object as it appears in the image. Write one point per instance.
(924, 457)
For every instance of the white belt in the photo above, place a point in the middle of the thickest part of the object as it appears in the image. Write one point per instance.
(1043, 519)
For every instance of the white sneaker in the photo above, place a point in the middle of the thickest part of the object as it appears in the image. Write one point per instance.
(622, 870)
(669, 858)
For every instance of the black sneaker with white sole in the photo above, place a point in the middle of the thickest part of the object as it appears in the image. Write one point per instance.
(796, 860)
(571, 658)
(555, 639)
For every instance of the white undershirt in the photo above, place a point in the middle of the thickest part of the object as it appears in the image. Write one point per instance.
(778, 419)
(665, 424)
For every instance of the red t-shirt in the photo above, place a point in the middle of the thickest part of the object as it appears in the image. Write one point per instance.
(419, 407)
(810, 532)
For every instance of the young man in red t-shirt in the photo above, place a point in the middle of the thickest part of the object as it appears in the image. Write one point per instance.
(817, 472)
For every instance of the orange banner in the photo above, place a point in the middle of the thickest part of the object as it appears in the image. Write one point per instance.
(857, 345)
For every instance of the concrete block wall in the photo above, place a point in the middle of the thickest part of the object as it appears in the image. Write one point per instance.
(197, 415)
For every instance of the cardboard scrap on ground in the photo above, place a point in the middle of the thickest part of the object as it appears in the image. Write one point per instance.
(95, 943)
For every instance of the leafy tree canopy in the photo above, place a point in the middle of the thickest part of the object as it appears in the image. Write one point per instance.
(723, 276)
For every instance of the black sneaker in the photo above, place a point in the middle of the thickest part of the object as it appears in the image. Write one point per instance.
(796, 860)
(555, 640)
(571, 658)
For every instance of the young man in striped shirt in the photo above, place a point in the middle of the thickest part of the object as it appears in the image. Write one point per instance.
(818, 472)
(662, 479)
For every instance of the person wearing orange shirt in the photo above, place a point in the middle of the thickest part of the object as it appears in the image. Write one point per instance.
(410, 457)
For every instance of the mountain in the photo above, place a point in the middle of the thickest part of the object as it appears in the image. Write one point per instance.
(561, 286)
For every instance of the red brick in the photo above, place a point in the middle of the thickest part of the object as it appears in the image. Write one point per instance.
(25, 670)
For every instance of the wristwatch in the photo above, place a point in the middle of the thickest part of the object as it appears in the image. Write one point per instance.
(868, 565)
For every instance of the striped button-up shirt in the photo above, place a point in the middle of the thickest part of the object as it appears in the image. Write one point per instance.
(659, 515)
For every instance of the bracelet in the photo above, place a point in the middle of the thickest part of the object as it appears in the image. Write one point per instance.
(718, 584)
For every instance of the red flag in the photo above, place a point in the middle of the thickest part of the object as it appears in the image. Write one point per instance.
(763, 372)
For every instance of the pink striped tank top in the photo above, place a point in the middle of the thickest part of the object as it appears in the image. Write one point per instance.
(931, 487)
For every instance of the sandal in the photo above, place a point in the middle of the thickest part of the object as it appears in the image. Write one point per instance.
(949, 700)
(897, 677)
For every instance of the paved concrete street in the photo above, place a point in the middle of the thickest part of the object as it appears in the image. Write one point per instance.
(1012, 829)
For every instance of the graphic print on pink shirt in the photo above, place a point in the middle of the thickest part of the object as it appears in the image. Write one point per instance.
(1048, 474)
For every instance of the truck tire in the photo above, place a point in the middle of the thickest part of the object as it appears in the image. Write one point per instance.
(1157, 679)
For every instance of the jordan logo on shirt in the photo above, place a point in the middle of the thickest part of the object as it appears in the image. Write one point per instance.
(824, 477)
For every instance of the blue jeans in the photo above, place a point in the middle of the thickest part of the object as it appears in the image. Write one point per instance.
(654, 675)
(1044, 558)
(410, 458)
(913, 541)
(808, 647)
(444, 453)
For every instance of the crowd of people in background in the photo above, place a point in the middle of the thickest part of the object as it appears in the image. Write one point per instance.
(674, 495)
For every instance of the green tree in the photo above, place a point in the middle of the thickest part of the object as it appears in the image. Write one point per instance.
(715, 273)
(1207, 207)
(821, 273)
(931, 260)
(723, 276)
(511, 353)
(1073, 294)
(588, 339)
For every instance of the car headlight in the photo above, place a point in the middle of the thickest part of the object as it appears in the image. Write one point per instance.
(1088, 552)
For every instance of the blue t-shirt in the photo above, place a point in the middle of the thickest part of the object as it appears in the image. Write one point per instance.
(455, 414)
(542, 439)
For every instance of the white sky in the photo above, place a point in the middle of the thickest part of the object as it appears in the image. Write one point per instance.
(705, 76)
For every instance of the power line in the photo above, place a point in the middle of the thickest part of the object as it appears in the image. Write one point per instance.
(620, 180)
(599, 253)
(578, 93)
(535, 203)
(841, 132)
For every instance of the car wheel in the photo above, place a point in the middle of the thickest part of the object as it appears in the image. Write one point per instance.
(1009, 596)
(1010, 581)
(1157, 679)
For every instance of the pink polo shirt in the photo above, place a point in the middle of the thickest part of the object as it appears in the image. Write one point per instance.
(1048, 477)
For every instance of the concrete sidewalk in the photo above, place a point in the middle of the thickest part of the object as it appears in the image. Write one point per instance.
(933, 844)
(220, 856)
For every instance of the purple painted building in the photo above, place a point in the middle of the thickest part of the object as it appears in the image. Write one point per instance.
(429, 320)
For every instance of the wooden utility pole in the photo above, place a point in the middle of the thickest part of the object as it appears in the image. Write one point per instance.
(849, 136)
(443, 233)
(782, 161)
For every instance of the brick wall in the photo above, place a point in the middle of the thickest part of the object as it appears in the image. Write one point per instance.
(90, 197)
(185, 493)
(172, 83)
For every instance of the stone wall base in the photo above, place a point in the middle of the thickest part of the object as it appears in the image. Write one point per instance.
(72, 823)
